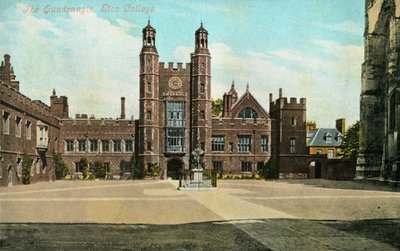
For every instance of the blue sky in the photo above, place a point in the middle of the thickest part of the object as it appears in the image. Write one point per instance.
(310, 48)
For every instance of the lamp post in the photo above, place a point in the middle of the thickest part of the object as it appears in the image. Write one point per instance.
(254, 151)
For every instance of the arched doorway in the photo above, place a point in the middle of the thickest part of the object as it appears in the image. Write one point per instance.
(318, 170)
(174, 166)
(315, 169)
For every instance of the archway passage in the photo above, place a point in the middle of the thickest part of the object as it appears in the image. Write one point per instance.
(318, 170)
(174, 166)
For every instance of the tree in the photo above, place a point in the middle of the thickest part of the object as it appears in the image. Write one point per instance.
(350, 142)
(217, 107)
(26, 169)
(61, 168)
(99, 170)
(138, 169)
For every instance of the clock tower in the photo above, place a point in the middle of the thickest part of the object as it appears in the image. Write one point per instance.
(148, 148)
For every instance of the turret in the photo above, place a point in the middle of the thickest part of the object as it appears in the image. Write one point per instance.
(59, 105)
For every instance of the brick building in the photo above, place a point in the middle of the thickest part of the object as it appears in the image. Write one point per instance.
(27, 127)
(175, 117)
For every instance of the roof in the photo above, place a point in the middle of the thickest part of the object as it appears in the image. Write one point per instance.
(320, 138)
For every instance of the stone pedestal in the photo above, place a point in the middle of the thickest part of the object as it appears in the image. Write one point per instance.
(197, 176)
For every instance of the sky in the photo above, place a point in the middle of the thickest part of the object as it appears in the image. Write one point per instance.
(309, 48)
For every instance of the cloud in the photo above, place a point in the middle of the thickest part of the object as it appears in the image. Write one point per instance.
(77, 58)
(346, 26)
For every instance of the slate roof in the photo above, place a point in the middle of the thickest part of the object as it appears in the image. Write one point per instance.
(321, 135)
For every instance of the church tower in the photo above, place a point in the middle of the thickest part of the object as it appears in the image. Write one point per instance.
(201, 95)
(149, 98)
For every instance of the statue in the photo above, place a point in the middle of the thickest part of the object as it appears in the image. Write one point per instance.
(197, 157)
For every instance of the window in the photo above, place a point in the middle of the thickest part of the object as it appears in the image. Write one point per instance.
(148, 115)
(392, 112)
(264, 143)
(117, 145)
(244, 143)
(231, 147)
(148, 146)
(128, 146)
(248, 113)
(69, 146)
(330, 154)
(339, 138)
(175, 114)
(292, 144)
(18, 127)
(328, 138)
(175, 122)
(148, 87)
(42, 134)
(93, 145)
(217, 143)
(82, 145)
(218, 166)
(202, 115)
(175, 140)
(202, 88)
(28, 130)
(246, 167)
(203, 146)
(77, 167)
(293, 121)
(6, 123)
(105, 146)
(319, 151)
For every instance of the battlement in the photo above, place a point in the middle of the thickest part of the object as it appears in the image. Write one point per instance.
(282, 103)
(171, 69)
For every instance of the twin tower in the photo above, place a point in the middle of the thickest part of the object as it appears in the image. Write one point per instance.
(175, 104)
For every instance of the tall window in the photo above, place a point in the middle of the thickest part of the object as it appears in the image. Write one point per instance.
(292, 145)
(148, 146)
(392, 112)
(330, 154)
(69, 146)
(117, 145)
(202, 88)
(93, 145)
(6, 123)
(244, 143)
(42, 133)
(246, 167)
(105, 146)
(82, 145)
(18, 122)
(28, 130)
(217, 143)
(175, 114)
(148, 115)
(231, 147)
(218, 166)
(264, 143)
(202, 115)
(328, 138)
(248, 113)
(293, 121)
(148, 87)
(175, 122)
(128, 145)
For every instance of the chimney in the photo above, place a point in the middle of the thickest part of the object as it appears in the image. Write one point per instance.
(280, 92)
(341, 125)
(122, 108)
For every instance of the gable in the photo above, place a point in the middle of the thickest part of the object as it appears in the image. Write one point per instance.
(248, 101)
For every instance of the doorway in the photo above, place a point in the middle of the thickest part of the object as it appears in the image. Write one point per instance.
(174, 166)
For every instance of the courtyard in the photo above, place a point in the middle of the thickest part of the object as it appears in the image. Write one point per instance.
(241, 214)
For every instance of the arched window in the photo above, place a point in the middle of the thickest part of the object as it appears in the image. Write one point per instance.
(248, 113)
(148, 40)
(392, 112)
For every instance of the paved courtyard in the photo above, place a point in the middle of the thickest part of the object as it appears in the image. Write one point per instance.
(264, 214)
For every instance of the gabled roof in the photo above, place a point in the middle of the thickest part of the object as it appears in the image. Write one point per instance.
(247, 95)
(321, 135)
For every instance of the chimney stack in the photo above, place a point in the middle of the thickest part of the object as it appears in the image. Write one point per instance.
(122, 108)
(280, 92)
(341, 125)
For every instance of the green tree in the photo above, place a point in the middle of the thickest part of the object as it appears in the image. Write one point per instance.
(271, 170)
(217, 107)
(99, 170)
(61, 168)
(26, 169)
(350, 142)
(84, 167)
(138, 169)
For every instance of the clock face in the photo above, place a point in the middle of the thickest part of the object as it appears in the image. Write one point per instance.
(175, 83)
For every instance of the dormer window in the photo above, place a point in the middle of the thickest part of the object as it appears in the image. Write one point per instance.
(339, 138)
(328, 138)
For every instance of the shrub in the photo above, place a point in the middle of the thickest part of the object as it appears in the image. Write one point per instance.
(138, 170)
(61, 168)
(26, 169)
(154, 170)
(271, 170)
(99, 170)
